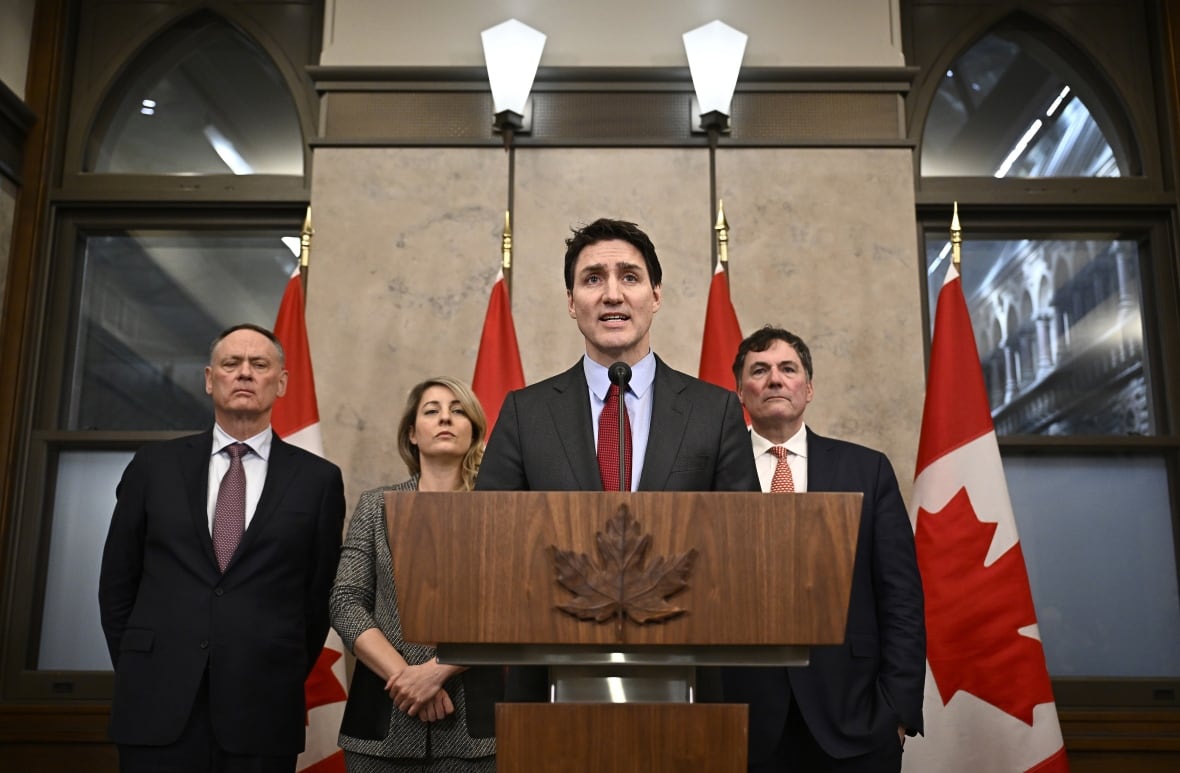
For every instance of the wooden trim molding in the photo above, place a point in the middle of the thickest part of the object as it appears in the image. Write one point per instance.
(1123, 730)
(22, 303)
(39, 724)
(16, 119)
(602, 107)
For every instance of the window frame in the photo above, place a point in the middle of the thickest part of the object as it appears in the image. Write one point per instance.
(1133, 67)
(20, 677)
(71, 202)
(288, 34)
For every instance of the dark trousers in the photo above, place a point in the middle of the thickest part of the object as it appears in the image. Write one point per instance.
(196, 751)
(798, 752)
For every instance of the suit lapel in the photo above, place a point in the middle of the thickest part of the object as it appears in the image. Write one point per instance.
(194, 465)
(821, 472)
(280, 469)
(569, 406)
(669, 420)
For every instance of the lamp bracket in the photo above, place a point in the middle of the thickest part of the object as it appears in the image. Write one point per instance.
(712, 122)
(514, 122)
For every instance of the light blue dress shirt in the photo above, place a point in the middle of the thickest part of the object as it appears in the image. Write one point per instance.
(637, 398)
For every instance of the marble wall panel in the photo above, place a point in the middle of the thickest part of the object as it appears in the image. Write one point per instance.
(406, 247)
(823, 242)
(407, 244)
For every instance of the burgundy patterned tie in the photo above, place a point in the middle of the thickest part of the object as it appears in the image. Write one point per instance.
(608, 442)
(782, 481)
(229, 517)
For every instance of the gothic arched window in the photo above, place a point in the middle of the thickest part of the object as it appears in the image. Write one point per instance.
(1043, 124)
(201, 99)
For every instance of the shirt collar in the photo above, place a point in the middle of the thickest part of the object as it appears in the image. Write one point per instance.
(643, 375)
(259, 444)
(796, 444)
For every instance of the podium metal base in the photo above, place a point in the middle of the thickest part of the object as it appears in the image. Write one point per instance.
(622, 684)
(607, 655)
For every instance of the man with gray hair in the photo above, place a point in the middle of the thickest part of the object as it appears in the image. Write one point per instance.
(215, 577)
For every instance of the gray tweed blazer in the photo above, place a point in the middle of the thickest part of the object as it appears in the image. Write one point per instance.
(363, 597)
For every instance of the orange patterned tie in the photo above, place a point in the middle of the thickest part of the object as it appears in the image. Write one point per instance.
(782, 481)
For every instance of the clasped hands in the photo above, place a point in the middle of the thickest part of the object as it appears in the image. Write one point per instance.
(417, 691)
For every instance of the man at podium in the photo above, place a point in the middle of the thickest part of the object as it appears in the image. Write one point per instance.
(851, 708)
(680, 434)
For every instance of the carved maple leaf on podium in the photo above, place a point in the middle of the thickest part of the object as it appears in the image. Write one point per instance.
(621, 584)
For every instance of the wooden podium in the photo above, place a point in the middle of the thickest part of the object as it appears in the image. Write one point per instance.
(731, 578)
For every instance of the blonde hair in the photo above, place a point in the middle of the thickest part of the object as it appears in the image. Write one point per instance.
(471, 407)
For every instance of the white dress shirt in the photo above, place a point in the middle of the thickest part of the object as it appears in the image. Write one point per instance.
(253, 463)
(765, 461)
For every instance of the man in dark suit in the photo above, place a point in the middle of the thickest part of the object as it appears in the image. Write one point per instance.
(851, 708)
(686, 435)
(215, 578)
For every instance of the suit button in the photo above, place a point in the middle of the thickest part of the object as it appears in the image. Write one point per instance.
(219, 592)
(204, 645)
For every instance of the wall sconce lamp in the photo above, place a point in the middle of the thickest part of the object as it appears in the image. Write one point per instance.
(512, 51)
(715, 53)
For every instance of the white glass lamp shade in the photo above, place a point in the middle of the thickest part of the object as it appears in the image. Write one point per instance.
(715, 54)
(512, 51)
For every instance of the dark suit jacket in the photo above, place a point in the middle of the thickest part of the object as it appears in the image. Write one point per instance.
(853, 696)
(544, 441)
(170, 617)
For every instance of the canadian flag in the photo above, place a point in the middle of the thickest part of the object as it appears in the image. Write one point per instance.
(988, 703)
(296, 419)
(722, 335)
(497, 367)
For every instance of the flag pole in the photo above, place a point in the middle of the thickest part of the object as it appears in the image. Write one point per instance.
(305, 251)
(506, 251)
(722, 229)
(714, 132)
(956, 238)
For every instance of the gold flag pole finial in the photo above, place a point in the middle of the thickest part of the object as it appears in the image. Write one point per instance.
(722, 229)
(305, 235)
(506, 242)
(305, 241)
(956, 237)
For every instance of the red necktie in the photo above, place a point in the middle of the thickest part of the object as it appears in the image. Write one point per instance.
(782, 481)
(229, 517)
(608, 442)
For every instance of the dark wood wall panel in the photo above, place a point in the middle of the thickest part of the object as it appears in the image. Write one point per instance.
(15, 121)
(780, 108)
(592, 117)
(822, 117)
(393, 118)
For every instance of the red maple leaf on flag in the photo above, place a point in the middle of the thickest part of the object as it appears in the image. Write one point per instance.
(973, 613)
(322, 687)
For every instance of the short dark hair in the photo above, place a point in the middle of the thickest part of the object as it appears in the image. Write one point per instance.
(604, 230)
(257, 329)
(761, 340)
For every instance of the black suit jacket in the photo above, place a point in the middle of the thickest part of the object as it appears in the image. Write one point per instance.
(170, 617)
(854, 695)
(544, 441)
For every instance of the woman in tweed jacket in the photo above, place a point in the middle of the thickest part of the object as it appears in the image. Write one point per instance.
(405, 711)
